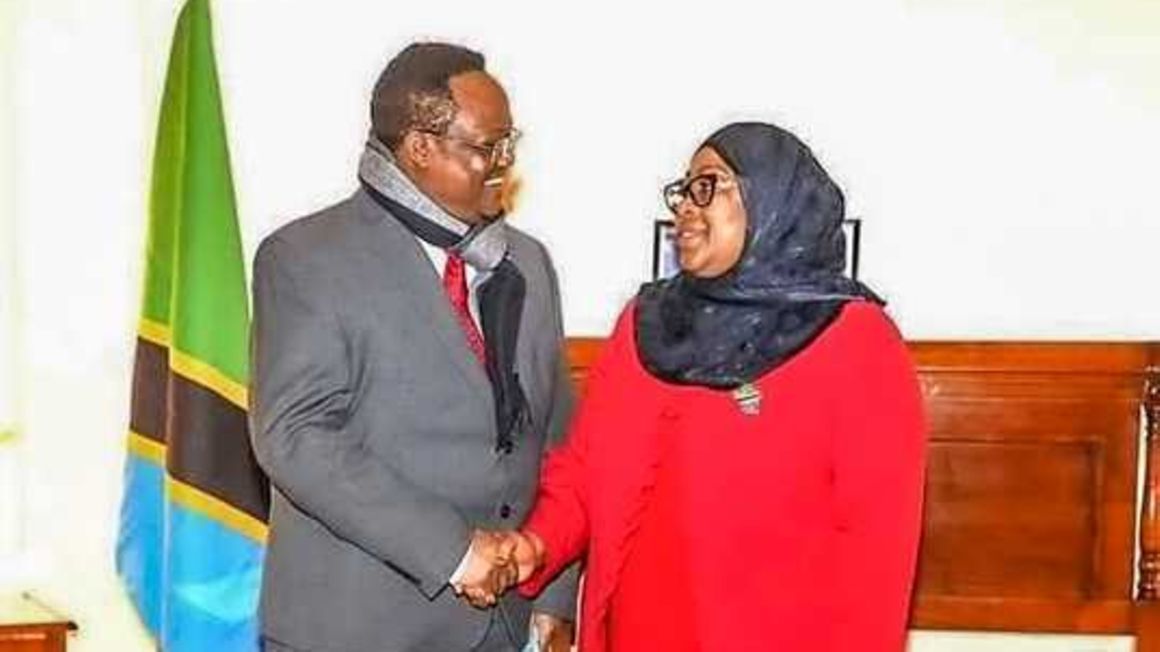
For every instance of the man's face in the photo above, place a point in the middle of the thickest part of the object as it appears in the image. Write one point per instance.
(463, 170)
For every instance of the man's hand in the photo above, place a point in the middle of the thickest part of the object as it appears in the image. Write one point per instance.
(553, 633)
(490, 568)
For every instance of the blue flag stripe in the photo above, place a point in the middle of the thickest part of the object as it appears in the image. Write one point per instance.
(214, 575)
(140, 539)
(211, 573)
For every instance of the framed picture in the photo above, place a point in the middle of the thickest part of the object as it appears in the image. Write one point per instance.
(664, 258)
(853, 230)
(664, 254)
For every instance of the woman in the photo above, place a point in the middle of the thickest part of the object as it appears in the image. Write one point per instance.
(745, 471)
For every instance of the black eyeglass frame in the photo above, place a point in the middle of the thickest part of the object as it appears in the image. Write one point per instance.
(678, 191)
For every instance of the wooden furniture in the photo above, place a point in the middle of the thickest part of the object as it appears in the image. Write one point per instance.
(28, 625)
(1034, 474)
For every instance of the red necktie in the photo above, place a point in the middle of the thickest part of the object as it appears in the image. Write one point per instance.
(455, 283)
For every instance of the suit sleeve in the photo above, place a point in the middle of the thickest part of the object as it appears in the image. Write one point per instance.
(559, 597)
(301, 396)
(878, 477)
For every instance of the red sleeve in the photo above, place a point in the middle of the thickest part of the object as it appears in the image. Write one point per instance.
(560, 516)
(879, 448)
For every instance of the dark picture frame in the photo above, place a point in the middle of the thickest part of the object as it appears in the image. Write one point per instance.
(664, 253)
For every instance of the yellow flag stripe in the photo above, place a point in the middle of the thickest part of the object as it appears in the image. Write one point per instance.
(191, 497)
(180, 492)
(154, 332)
(193, 369)
(149, 449)
(208, 376)
(214, 508)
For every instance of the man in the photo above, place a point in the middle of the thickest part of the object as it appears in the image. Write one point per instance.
(408, 376)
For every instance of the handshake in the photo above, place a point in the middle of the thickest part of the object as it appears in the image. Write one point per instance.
(496, 562)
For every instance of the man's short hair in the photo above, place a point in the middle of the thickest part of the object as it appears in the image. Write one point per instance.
(413, 92)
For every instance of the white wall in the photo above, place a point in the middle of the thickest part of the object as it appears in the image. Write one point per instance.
(80, 137)
(1003, 156)
(9, 468)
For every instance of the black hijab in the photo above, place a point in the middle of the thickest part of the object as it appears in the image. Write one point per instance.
(787, 287)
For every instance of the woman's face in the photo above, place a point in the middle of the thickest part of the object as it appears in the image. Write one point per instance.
(710, 216)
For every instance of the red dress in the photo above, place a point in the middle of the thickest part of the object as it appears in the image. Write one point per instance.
(793, 530)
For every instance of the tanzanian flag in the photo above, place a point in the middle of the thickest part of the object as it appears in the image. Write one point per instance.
(193, 516)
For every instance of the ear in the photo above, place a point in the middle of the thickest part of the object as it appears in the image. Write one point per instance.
(415, 150)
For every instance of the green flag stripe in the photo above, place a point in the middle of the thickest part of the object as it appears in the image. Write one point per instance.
(191, 371)
(165, 194)
(208, 310)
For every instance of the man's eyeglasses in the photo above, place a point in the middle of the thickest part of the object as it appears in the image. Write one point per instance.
(501, 152)
(699, 190)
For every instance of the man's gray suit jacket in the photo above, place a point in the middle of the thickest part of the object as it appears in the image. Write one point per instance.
(377, 428)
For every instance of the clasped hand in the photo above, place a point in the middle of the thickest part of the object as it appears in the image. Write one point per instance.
(497, 561)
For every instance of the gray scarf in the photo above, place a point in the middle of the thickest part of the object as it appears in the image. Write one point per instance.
(482, 246)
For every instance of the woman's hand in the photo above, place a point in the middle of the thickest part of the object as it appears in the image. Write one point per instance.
(528, 553)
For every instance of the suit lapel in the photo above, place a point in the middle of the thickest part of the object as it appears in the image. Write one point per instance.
(411, 269)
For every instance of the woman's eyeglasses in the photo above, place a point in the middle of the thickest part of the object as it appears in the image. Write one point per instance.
(699, 190)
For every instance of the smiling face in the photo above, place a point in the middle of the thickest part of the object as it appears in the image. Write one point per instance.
(710, 217)
(458, 169)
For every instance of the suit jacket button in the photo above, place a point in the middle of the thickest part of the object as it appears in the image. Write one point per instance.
(505, 511)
